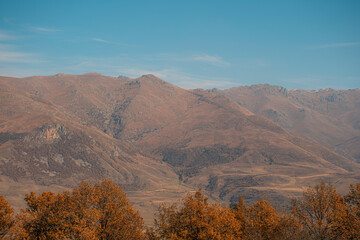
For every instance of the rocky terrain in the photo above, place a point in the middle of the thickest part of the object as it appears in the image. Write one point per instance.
(158, 141)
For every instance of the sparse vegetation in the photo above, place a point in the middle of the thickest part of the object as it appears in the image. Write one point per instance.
(101, 211)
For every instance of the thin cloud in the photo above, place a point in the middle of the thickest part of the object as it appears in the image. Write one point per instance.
(5, 36)
(16, 57)
(7, 55)
(101, 40)
(335, 45)
(214, 60)
(203, 58)
(43, 29)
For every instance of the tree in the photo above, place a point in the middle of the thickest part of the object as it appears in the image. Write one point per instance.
(195, 219)
(45, 216)
(6, 217)
(99, 211)
(353, 199)
(262, 221)
(351, 223)
(108, 211)
(321, 212)
(240, 209)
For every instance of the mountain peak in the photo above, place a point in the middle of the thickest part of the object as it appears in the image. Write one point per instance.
(149, 76)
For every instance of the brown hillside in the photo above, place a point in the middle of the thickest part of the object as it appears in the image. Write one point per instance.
(155, 139)
(329, 116)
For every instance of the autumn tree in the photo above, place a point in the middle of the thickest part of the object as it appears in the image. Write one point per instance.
(98, 211)
(351, 224)
(105, 208)
(6, 217)
(262, 221)
(353, 199)
(195, 219)
(240, 210)
(321, 212)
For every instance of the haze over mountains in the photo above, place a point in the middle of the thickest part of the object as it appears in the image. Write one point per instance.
(158, 140)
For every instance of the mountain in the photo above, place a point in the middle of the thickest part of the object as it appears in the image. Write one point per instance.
(332, 117)
(153, 138)
(52, 137)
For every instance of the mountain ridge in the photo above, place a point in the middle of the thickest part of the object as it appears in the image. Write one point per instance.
(327, 115)
(155, 139)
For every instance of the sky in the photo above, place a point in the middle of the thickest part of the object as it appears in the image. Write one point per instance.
(192, 44)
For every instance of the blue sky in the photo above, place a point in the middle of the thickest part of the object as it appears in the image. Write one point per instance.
(193, 44)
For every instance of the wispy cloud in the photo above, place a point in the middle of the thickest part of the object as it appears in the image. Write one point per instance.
(101, 40)
(214, 60)
(335, 45)
(16, 57)
(8, 55)
(4, 36)
(43, 29)
(202, 58)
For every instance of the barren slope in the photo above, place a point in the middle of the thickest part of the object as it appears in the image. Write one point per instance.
(52, 137)
(155, 139)
(329, 116)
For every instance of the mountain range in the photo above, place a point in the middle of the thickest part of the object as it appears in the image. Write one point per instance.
(159, 141)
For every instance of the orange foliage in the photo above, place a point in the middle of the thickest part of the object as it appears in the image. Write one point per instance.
(195, 219)
(6, 217)
(99, 211)
(322, 213)
(262, 221)
(351, 222)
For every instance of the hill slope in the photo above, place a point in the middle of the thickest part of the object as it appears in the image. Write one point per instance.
(329, 116)
(155, 139)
